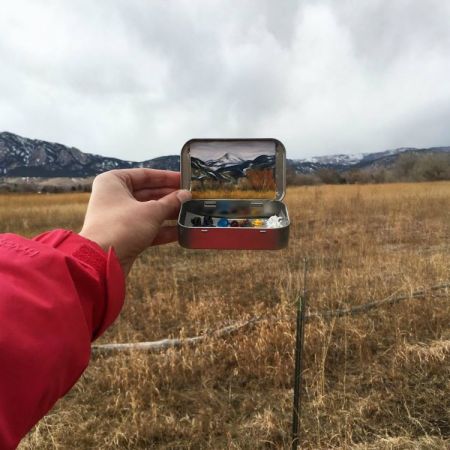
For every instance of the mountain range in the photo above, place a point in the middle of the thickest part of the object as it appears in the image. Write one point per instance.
(228, 167)
(23, 157)
(359, 161)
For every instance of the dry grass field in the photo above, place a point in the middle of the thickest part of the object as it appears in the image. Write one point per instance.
(377, 380)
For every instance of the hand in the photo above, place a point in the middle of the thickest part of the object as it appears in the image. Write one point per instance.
(127, 209)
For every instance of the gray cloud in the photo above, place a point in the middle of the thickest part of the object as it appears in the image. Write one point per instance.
(135, 79)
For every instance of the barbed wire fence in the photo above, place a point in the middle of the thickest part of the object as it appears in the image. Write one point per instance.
(438, 290)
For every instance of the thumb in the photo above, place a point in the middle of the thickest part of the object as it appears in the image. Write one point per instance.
(169, 205)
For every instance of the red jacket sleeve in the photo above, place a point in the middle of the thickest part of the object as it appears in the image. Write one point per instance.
(58, 292)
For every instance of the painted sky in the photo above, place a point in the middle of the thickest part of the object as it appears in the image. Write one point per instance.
(135, 79)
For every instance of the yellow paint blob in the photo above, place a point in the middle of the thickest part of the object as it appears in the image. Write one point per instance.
(258, 222)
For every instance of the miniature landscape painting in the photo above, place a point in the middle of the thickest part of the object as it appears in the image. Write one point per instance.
(233, 169)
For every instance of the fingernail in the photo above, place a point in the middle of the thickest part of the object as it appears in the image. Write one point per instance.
(184, 195)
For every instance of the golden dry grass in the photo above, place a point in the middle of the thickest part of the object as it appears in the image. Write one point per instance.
(375, 381)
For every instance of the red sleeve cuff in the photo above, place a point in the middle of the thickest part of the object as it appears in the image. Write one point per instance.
(105, 265)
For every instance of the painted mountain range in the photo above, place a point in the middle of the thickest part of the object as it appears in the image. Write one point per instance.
(231, 176)
(23, 157)
(229, 167)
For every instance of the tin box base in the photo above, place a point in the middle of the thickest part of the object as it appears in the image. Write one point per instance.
(233, 238)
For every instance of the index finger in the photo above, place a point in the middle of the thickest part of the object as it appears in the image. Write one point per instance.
(149, 178)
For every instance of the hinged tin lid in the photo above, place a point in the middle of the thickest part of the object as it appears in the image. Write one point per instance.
(234, 168)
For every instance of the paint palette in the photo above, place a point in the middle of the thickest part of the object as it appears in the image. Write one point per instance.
(223, 222)
(237, 188)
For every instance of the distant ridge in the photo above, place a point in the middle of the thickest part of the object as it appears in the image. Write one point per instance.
(23, 157)
(363, 161)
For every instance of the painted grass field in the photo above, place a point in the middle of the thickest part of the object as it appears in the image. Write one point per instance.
(377, 380)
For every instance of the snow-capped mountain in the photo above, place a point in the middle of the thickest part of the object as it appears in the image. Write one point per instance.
(228, 159)
(31, 157)
(342, 162)
(24, 157)
(335, 159)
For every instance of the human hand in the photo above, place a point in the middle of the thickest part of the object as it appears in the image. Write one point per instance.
(127, 209)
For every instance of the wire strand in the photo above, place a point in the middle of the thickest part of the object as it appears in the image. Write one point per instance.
(165, 344)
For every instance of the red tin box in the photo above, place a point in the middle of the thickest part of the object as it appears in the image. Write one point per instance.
(237, 189)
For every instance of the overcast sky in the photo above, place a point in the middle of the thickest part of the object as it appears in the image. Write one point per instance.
(135, 79)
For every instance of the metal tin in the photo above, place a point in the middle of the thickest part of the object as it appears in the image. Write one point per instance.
(239, 182)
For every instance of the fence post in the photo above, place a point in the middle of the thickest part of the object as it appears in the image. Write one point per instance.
(299, 340)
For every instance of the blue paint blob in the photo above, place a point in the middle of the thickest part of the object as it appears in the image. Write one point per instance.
(223, 222)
